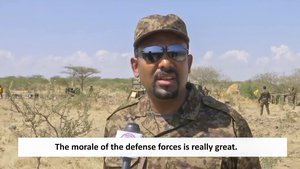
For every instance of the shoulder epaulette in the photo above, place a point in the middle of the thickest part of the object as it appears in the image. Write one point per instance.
(215, 104)
(129, 103)
(241, 129)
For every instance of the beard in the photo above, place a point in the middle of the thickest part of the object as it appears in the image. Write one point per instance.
(168, 91)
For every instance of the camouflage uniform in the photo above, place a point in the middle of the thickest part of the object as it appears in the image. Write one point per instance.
(292, 95)
(1, 91)
(199, 116)
(264, 101)
(91, 90)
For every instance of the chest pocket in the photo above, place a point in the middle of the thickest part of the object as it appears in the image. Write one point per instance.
(116, 162)
(184, 163)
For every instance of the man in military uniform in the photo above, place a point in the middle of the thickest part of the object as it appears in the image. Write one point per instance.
(292, 96)
(1, 92)
(173, 107)
(91, 90)
(264, 99)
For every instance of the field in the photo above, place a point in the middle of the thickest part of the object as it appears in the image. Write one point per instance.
(283, 122)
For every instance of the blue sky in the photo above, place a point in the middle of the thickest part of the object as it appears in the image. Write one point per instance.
(239, 38)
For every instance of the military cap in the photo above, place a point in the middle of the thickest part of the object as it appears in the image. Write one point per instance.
(157, 23)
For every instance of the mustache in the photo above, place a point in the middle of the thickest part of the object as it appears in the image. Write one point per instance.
(164, 72)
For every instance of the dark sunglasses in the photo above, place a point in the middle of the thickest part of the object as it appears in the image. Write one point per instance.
(154, 53)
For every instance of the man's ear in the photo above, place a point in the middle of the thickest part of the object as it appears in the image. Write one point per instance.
(134, 66)
(190, 61)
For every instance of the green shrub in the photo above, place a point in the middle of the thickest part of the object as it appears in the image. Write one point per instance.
(247, 89)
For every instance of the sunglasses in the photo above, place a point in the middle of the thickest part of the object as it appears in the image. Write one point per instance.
(154, 53)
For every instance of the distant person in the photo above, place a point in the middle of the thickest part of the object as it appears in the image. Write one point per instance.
(173, 107)
(91, 90)
(292, 96)
(1, 91)
(264, 99)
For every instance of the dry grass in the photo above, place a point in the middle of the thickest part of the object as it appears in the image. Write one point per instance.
(10, 128)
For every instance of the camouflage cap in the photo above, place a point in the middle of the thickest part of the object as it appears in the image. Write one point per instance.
(156, 23)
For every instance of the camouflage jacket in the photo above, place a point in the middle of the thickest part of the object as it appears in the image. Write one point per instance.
(264, 97)
(292, 94)
(199, 116)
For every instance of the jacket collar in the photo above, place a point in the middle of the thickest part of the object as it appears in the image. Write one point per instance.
(189, 109)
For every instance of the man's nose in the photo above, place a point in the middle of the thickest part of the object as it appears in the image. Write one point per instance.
(165, 61)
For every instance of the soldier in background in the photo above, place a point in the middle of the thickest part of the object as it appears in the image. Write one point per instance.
(173, 107)
(91, 90)
(1, 91)
(264, 99)
(292, 96)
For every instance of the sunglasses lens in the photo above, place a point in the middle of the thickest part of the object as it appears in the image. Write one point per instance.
(177, 52)
(152, 53)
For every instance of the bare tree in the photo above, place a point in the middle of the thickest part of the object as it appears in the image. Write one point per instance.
(80, 73)
(295, 78)
(292, 80)
(267, 78)
(66, 117)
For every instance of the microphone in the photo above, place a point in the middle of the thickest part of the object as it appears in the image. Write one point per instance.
(132, 130)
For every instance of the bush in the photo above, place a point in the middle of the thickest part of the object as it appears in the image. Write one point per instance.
(247, 89)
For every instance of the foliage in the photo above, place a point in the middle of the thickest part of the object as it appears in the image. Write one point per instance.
(204, 75)
(277, 83)
(24, 83)
(247, 89)
(267, 79)
(113, 84)
(292, 80)
(57, 80)
(212, 79)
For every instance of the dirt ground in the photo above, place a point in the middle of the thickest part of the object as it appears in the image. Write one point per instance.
(282, 122)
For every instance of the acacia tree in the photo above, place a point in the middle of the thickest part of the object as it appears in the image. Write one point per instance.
(80, 73)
